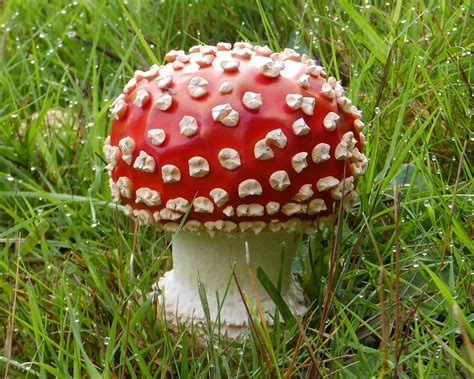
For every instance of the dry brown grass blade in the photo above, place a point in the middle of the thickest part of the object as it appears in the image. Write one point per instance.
(384, 78)
(311, 352)
(408, 320)
(289, 369)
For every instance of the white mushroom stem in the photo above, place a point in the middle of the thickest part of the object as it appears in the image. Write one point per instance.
(211, 260)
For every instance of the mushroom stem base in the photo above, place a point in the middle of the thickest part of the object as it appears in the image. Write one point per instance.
(211, 261)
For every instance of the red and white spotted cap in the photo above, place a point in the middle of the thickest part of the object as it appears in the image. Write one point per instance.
(234, 139)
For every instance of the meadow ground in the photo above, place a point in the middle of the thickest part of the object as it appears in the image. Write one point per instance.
(391, 296)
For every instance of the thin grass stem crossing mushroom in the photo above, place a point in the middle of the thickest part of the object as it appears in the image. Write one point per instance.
(231, 146)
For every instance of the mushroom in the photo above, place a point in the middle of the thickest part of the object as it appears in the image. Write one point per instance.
(239, 151)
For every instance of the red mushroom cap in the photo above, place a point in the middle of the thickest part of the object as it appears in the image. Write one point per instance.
(232, 139)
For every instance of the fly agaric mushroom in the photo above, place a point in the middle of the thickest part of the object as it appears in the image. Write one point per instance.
(240, 150)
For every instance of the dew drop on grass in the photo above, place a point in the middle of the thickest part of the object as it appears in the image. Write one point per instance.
(471, 136)
(106, 341)
(416, 265)
(426, 203)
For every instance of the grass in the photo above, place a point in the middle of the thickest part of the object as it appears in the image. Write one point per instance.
(392, 296)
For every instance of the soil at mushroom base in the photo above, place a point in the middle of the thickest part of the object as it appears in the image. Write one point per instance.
(233, 142)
